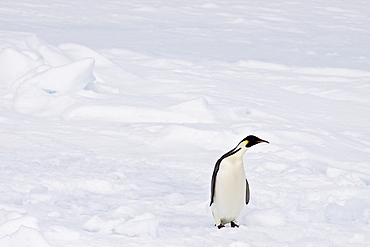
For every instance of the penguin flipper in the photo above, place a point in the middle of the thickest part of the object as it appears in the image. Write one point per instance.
(247, 192)
(213, 183)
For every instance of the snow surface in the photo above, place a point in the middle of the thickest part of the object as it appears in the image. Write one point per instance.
(113, 114)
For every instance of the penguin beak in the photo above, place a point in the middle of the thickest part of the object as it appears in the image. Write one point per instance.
(262, 141)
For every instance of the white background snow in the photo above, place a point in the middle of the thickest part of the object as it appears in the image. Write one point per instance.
(113, 114)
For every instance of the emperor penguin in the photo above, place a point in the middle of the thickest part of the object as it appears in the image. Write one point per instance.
(229, 187)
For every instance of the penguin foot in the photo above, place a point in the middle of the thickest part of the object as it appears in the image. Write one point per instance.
(220, 226)
(233, 225)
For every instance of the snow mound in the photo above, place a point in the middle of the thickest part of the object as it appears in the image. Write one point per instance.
(174, 199)
(272, 217)
(143, 225)
(194, 111)
(20, 231)
(42, 78)
(46, 81)
(110, 76)
(14, 64)
(99, 224)
(24, 237)
(67, 78)
(352, 210)
(53, 56)
(13, 225)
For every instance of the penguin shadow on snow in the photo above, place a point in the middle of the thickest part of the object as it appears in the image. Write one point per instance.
(229, 186)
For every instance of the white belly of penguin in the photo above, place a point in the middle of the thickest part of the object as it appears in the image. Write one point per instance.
(230, 190)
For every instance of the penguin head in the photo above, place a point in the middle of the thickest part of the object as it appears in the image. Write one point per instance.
(251, 140)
